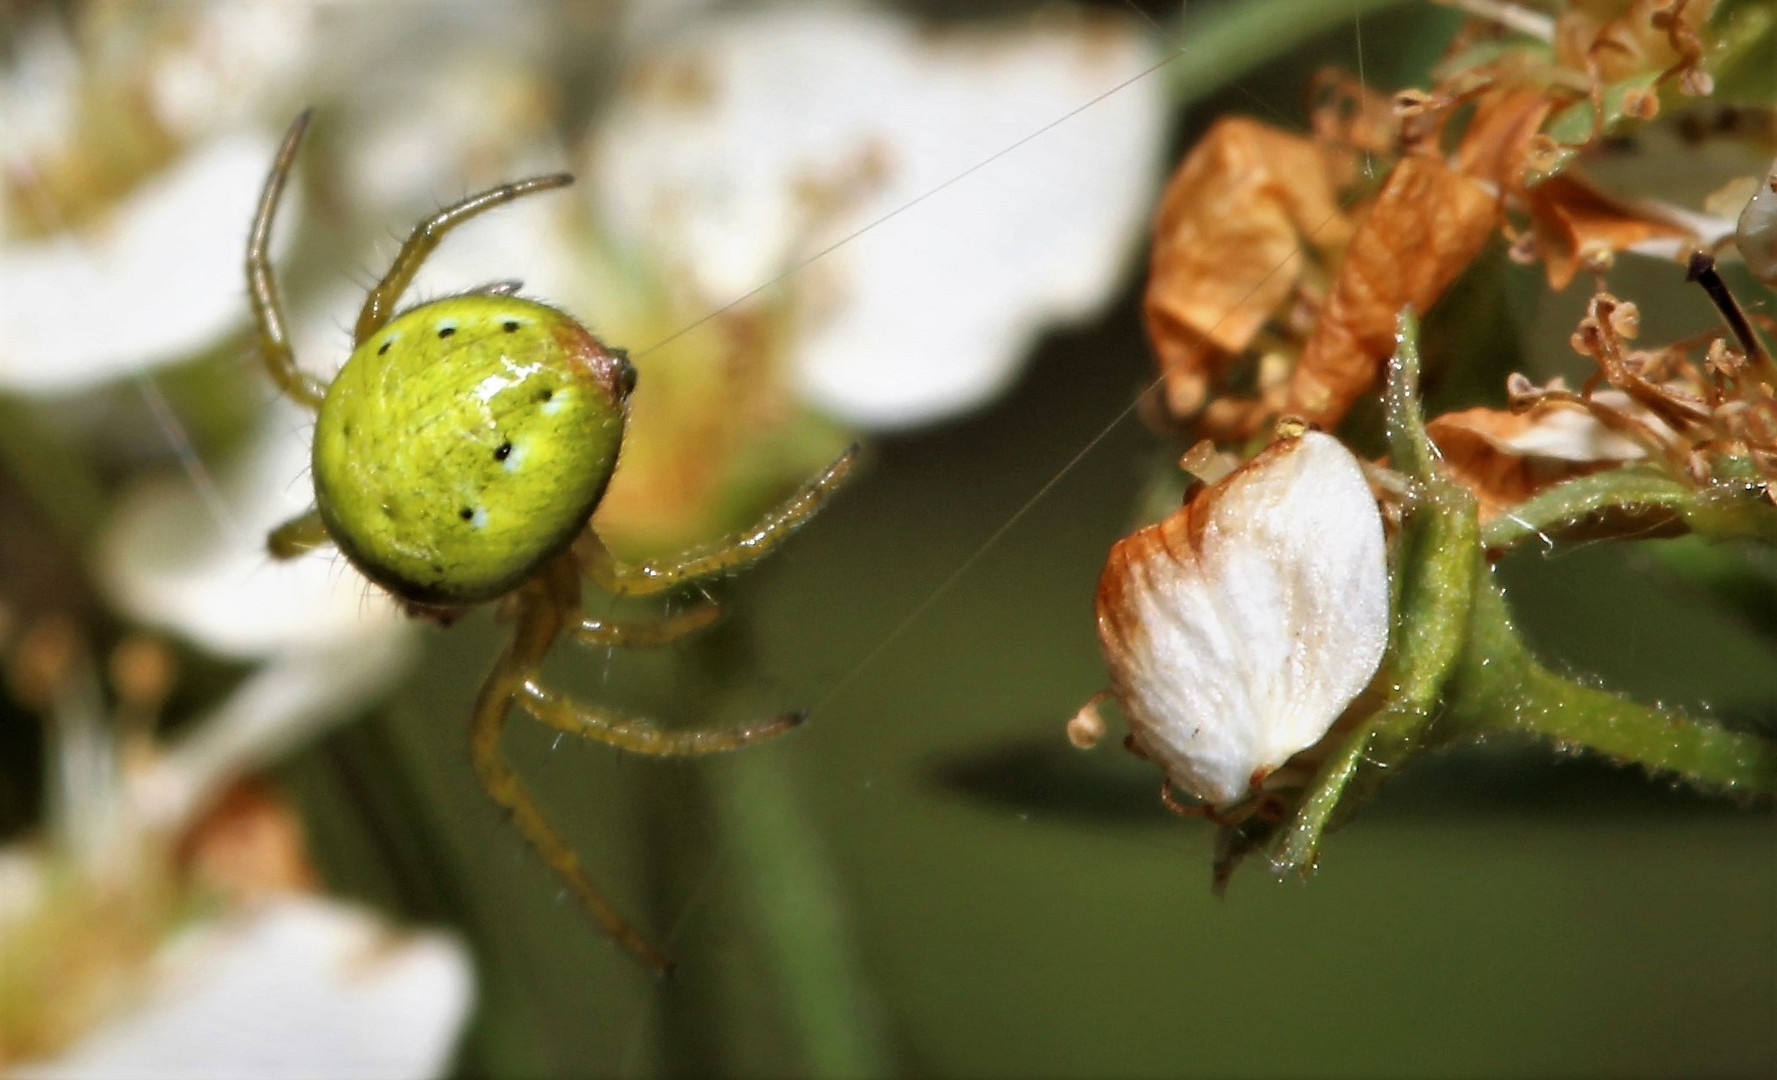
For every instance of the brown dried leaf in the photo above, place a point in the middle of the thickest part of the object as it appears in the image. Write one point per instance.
(1578, 226)
(1426, 225)
(1229, 244)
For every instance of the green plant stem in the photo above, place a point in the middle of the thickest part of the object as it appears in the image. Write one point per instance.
(798, 908)
(1501, 688)
(1215, 48)
(1634, 501)
(1436, 563)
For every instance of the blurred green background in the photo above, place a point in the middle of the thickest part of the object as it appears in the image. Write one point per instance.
(927, 879)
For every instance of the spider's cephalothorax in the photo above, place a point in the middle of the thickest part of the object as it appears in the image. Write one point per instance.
(466, 443)
(458, 457)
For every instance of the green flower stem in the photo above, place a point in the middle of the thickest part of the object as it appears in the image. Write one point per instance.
(1214, 49)
(1501, 689)
(797, 906)
(1437, 562)
(1634, 501)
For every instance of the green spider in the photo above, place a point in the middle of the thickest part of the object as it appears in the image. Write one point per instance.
(458, 457)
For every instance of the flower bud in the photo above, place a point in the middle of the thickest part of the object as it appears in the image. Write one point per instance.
(1755, 234)
(1239, 628)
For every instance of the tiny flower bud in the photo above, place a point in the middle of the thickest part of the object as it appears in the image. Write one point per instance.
(1641, 103)
(1087, 726)
(1239, 628)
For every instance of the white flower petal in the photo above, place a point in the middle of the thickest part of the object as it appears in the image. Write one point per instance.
(1002, 178)
(198, 567)
(289, 699)
(230, 56)
(1238, 629)
(160, 278)
(299, 988)
(1573, 435)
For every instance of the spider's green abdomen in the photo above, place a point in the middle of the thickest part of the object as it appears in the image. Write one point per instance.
(466, 443)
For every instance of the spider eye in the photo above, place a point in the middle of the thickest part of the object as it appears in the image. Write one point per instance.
(626, 373)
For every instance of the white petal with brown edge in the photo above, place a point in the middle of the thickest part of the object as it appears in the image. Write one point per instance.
(1239, 628)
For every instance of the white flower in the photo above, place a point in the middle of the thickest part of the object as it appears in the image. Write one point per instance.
(960, 189)
(159, 928)
(298, 987)
(1240, 627)
(193, 559)
(158, 278)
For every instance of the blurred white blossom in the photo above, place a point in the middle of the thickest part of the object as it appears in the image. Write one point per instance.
(192, 561)
(164, 925)
(156, 278)
(956, 190)
(298, 987)
(1239, 628)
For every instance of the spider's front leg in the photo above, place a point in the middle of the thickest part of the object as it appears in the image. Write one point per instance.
(379, 305)
(729, 555)
(262, 287)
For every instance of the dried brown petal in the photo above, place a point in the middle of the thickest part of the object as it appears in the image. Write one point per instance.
(1575, 223)
(1426, 226)
(1506, 457)
(1229, 240)
(1497, 145)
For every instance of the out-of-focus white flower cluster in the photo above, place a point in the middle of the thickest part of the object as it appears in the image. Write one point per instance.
(165, 922)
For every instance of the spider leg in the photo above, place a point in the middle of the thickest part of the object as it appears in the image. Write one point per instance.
(560, 587)
(540, 618)
(649, 634)
(262, 289)
(590, 722)
(426, 236)
(298, 536)
(728, 555)
(503, 786)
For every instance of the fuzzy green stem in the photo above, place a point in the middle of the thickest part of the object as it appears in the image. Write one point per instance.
(1437, 561)
(1502, 689)
(1635, 501)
